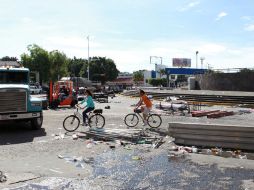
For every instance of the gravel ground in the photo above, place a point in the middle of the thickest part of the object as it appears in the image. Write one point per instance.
(27, 154)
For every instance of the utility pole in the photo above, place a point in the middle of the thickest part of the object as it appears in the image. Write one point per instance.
(88, 59)
(196, 59)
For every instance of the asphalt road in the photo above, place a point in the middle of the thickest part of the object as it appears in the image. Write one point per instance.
(43, 160)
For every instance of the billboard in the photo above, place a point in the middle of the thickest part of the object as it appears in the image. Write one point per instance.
(181, 62)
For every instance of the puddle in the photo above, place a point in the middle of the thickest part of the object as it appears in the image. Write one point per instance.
(161, 172)
(142, 169)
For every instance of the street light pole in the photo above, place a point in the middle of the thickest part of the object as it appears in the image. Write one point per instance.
(88, 60)
(196, 59)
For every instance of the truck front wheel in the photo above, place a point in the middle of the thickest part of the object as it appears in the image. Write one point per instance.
(36, 123)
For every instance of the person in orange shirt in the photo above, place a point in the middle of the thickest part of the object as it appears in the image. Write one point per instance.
(145, 104)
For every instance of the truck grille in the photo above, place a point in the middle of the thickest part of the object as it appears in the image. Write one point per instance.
(12, 100)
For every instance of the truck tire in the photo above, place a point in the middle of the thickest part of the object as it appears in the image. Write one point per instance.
(36, 123)
(54, 104)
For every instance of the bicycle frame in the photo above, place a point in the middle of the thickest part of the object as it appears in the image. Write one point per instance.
(140, 116)
(78, 114)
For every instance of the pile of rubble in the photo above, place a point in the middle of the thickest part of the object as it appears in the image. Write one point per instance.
(181, 151)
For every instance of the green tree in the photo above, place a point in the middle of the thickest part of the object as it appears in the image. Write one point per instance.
(37, 60)
(58, 65)
(7, 58)
(75, 67)
(162, 72)
(245, 70)
(158, 82)
(102, 69)
(138, 76)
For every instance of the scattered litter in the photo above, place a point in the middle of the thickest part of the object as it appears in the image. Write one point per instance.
(216, 151)
(56, 171)
(127, 148)
(41, 141)
(136, 158)
(244, 111)
(57, 137)
(107, 107)
(89, 145)
(194, 150)
(79, 162)
(173, 148)
(79, 165)
(74, 136)
(158, 143)
(118, 142)
(243, 157)
(175, 151)
(112, 124)
(60, 156)
(3, 177)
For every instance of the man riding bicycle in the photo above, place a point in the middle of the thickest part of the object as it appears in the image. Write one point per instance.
(146, 108)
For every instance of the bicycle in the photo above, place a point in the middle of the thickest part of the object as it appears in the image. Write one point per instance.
(132, 119)
(95, 119)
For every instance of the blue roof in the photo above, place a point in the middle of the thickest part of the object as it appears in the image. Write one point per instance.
(185, 71)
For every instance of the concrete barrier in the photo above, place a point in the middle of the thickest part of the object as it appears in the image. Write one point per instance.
(213, 135)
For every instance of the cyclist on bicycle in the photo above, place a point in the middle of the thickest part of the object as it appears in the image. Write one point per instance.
(146, 108)
(89, 106)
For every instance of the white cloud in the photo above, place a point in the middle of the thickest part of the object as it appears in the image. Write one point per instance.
(189, 6)
(221, 15)
(212, 48)
(75, 42)
(248, 18)
(26, 20)
(130, 55)
(249, 27)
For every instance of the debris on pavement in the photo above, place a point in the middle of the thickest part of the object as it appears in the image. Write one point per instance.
(212, 114)
(74, 136)
(176, 151)
(79, 162)
(58, 136)
(136, 158)
(240, 112)
(3, 177)
(202, 113)
(220, 114)
(122, 137)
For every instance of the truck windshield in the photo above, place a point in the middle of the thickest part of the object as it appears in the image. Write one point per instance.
(7, 77)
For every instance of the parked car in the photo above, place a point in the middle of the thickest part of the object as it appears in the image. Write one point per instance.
(35, 90)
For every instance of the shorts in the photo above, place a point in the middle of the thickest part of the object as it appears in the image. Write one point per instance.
(146, 110)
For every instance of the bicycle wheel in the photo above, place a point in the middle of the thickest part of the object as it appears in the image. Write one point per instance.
(154, 120)
(131, 120)
(96, 120)
(71, 123)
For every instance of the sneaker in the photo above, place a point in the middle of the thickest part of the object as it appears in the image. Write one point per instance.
(84, 124)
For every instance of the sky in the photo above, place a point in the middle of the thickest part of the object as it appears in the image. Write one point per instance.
(129, 31)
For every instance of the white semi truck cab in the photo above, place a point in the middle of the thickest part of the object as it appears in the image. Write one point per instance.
(16, 103)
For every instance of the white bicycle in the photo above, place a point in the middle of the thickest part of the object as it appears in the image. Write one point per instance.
(95, 119)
